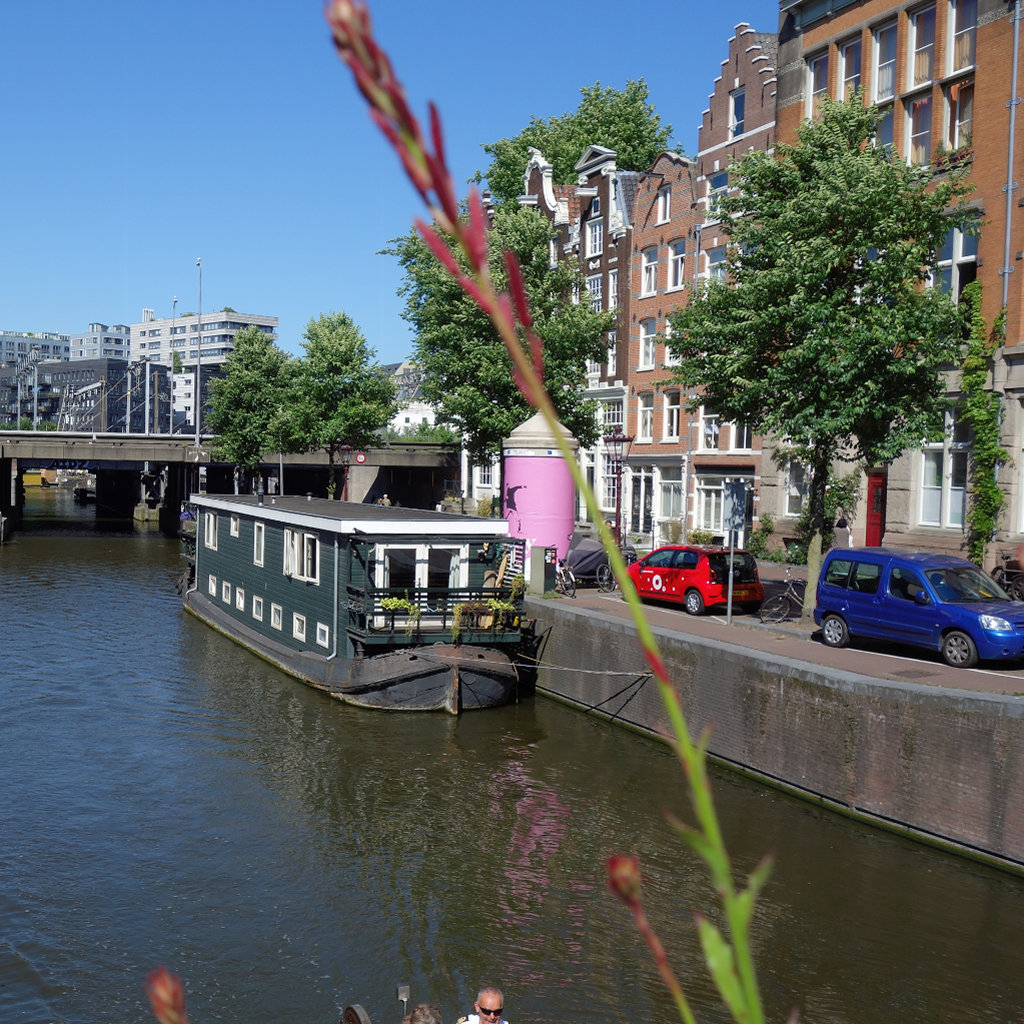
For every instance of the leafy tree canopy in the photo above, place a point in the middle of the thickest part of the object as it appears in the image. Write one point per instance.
(248, 399)
(342, 397)
(624, 121)
(826, 334)
(467, 371)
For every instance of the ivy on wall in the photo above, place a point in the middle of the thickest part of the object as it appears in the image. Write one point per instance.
(981, 410)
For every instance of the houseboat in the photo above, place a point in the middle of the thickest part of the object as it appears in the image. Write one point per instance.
(380, 606)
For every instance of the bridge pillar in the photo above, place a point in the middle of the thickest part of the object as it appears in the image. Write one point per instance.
(149, 506)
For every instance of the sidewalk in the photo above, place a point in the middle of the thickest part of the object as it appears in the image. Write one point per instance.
(800, 641)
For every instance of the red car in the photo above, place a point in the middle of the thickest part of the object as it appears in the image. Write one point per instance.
(698, 577)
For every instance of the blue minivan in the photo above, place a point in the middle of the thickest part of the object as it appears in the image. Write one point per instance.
(939, 602)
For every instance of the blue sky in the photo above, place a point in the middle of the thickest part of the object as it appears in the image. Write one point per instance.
(137, 136)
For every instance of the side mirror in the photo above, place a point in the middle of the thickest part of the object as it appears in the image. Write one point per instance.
(920, 595)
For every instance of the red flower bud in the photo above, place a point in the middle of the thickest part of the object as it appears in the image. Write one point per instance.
(624, 878)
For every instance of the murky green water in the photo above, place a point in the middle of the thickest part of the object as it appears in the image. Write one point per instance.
(168, 799)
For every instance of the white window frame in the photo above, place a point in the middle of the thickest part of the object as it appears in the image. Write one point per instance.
(234, 526)
(645, 417)
(718, 186)
(962, 30)
(595, 237)
(302, 555)
(225, 592)
(649, 271)
(709, 501)
(299, 627)
(276, 616)
(737, 112)
(613, 353)
(611, 416)
(211, 585)
(710, 437)
(648, 343)
(884, 133)
(672, 414)
(613, 289)
(959, 100)
(664, 204)
(943, 501)
(817, 81)
(671, 497)
(883, 62)
(210, 530)
(921, 47)
(741, 432)
(257, 607)
(798, 486)
(239, 599)
(718, 264)
(919, 129)
(323, 635)
(959, 251)
(676, 264)
(595, 284)
(671, 358)
(851, 61)
(259, 538)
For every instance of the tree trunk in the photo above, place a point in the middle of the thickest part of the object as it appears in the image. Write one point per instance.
(819, 481)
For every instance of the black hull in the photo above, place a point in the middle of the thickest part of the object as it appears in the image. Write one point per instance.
(427, 677)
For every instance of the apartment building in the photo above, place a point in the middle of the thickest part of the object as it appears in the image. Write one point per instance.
(941, 73)
(101, 342)
(160, 340)
(16, 346)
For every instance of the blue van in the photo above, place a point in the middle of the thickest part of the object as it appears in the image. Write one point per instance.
(939, 602)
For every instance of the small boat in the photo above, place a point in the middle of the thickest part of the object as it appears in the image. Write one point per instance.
(380, 606)
(85, 495)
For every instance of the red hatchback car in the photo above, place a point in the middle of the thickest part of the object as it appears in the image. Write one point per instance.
(698, 577)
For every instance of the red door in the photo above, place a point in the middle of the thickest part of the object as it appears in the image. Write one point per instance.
(875, 530)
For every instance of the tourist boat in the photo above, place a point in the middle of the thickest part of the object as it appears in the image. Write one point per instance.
(380, 606)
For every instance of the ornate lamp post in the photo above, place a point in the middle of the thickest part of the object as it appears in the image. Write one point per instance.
(618, 450)
(345, 452)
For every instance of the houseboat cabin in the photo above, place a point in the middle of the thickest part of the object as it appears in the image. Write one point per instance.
(383, 607)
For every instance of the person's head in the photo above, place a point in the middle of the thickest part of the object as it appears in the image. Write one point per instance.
(425, 1014)
(489, 1004)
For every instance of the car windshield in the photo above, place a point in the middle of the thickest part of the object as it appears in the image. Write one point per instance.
(963, 584)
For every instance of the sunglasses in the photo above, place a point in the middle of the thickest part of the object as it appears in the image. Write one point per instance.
(491, 1013)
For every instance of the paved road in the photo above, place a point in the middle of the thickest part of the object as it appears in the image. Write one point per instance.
(800, 641)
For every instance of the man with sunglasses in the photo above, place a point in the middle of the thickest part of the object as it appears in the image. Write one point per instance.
(489, 1007)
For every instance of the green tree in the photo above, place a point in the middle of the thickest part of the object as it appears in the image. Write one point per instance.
(343, 397)
(467, 372)
(247, 399)
(624, 121)
(826, 335)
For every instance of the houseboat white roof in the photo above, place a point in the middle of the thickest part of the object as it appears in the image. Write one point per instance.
(351, 518)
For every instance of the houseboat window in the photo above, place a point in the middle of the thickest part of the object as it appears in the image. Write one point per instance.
(234, 526)
(225, 593)
(240, 599)
(212, 586)
(299, 626)
(257, 608)
(258, 535)
(276, 616)
(210, 535)
(323, 634)
(302, 555)
(407, 568)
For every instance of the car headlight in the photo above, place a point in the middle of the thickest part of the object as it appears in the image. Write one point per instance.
(995, 623)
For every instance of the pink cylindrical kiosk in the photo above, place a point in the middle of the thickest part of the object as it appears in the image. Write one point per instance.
(539, 500)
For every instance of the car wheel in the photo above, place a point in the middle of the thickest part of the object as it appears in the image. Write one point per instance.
(693, 602)
(958, 649)
(834, 631)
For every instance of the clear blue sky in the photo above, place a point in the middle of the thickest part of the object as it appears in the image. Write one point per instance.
(138, 135)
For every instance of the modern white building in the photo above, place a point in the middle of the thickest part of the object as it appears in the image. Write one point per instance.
(160, 340)
(18, 345)
(101, 342)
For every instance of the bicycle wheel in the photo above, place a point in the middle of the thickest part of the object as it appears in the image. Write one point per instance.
(776, 609)
(605, 578)
(568, 582)
(1015, 588)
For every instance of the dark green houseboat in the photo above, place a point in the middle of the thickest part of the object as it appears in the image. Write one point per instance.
(383, 607)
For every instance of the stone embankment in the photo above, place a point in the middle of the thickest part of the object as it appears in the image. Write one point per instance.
(903, 743)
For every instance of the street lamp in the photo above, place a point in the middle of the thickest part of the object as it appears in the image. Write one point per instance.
(199, 355)
(618, 450)
(345, 451)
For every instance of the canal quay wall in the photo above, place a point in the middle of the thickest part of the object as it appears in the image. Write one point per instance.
(939, 765)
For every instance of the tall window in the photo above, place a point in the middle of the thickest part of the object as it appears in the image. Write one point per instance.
(677, 264)
(649, 271)
(671, 492)
(921, 47)
(957, 263)
(645, 418)
(717, 268)
(671, 358)
(963, 26)
(883, 132)
(742, 436)
(885, 63)
(258, 540)
(919, 115)
(595, 237)
(944, 476)
(849, 68)
(673, 415)
(302, 556)
(718, 185)
(710, 429)
(613, 353)
(485, 475)
(664, 204)
(817, 82)
(797, 487)
(960, 102)
(594, 284)
(210, 530)
(648, 343)
(710, 499)
(613, 289)
(611, 417)
(737, 111)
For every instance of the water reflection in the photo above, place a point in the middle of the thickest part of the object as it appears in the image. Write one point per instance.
(171, 799)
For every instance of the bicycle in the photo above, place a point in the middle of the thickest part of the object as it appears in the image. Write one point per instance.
(565, 581)
(787, 605)
(606, 580)
(1011, 580)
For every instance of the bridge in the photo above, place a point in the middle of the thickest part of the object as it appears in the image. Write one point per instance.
(145, 477)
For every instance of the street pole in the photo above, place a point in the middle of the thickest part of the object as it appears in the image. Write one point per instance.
(199, 359)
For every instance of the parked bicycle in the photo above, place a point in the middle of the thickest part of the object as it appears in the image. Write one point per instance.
(606, 580)
(1009, 578)
(565, 581)
(787, 605)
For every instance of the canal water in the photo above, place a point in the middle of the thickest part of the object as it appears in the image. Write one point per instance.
(169, 799)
